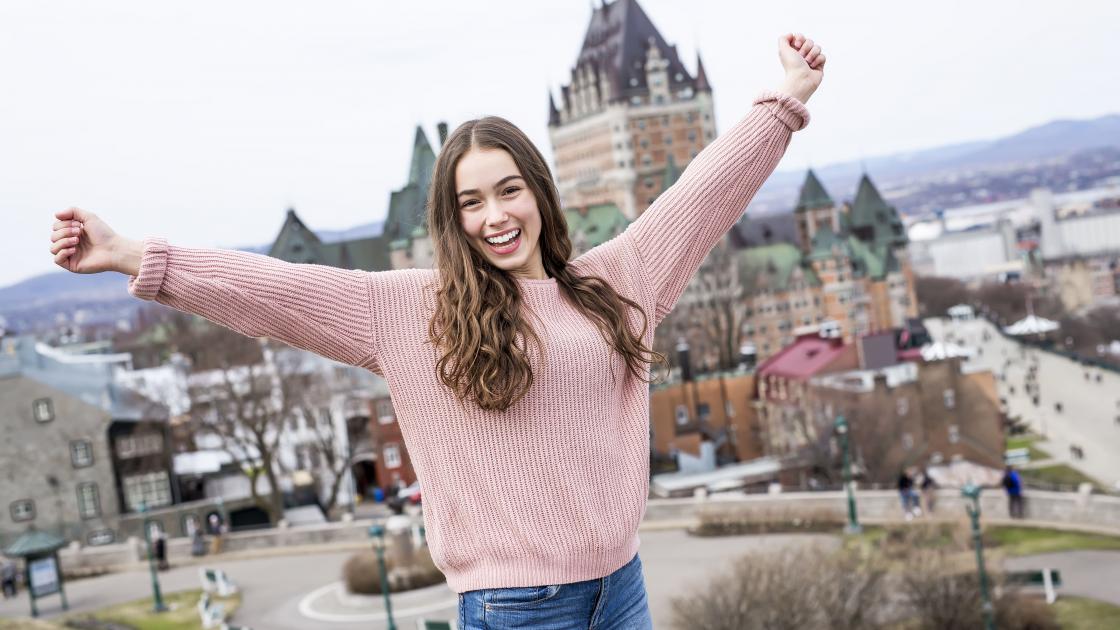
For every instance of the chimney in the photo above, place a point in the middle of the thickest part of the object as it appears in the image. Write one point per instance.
(442, 129)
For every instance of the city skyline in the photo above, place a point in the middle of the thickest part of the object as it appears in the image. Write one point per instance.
(168, 122)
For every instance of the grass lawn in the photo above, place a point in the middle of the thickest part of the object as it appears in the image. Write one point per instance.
(183, 614)
(1075, 613)
(1025, 541)
(1027, 442)
(1060, 474)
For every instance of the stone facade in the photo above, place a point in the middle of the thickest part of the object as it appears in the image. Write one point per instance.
(56, 472)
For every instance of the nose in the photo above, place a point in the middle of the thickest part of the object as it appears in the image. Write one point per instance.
(496, 217)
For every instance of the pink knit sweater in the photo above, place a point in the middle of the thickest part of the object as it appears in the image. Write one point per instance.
(552, 490)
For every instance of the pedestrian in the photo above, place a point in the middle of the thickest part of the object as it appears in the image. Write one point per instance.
(8, 577)
(198, 543)
(217, 528)
(929, 490)
(505, 351)
(906, 495)
(161, 551)
(1013, 485)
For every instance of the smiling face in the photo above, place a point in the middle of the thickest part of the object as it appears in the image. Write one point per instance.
(498, 212)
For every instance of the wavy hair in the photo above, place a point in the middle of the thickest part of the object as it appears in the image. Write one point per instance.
(478, 323)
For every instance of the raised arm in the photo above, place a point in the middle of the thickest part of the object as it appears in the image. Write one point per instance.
(674, 235)
(322, 309)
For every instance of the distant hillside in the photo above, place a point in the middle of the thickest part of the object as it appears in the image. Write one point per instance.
(1051, 140)
(41, 297)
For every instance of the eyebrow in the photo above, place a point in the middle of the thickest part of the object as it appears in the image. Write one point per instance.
(475, 191)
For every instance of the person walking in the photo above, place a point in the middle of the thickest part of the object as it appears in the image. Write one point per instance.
(929, 491)
(519, 378)
(906, 494)
(1013, 485)
(8, 577)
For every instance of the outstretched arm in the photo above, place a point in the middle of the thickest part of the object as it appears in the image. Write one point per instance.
(674, 235)
(321, 309)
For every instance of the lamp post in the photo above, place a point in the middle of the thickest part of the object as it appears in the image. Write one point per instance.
(853, 526)
(972, 491)
(157, 597)
(377, 532)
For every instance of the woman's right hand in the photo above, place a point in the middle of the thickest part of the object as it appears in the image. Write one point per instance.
(82, 243)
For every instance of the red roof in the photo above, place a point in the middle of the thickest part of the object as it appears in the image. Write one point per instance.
(805, 358)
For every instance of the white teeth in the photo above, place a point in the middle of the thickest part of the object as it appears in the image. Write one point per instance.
(505, 238)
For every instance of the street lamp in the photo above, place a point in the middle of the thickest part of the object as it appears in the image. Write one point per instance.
(853, 526)
(157, 597)
(972, 491)
(377, 532)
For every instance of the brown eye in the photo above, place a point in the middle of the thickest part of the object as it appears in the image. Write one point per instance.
(511, 190)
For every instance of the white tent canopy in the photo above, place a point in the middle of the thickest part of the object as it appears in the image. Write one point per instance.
(1031, 325)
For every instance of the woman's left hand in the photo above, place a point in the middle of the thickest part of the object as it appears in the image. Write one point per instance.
(804, 64)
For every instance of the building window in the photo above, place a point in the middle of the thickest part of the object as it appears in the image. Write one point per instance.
(151, 489)
(649, 182)
(668, 139)
(704, 412)
(130, 446)
(682, 415)
(903, 406)
(950, 397)
(81, 453)
(392, 454)
(641, 123)
(385, 413)
(692, 136)
(644, 143)
(647, 160)
(954, 434)
(43, 409)
(22, 510)
(89, 502)
(907, 441)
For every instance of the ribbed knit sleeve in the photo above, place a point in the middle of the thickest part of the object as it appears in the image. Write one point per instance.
(322, 309)
(676, 233)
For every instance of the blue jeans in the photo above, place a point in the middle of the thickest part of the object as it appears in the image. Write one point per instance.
(616, 602)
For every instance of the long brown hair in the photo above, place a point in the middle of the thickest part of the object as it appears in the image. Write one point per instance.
(478, 323)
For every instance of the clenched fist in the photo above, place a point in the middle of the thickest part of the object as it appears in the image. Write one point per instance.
(804, 65)
(83, 243)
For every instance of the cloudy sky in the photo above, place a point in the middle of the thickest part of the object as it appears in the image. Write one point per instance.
(202, 121)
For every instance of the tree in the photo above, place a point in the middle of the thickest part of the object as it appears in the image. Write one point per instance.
(710, 313)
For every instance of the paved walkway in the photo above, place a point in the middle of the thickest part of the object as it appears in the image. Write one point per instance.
(1093, 574)
(298, 592)
(1089, 408)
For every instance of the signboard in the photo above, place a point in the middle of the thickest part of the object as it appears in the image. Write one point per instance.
(44, 576)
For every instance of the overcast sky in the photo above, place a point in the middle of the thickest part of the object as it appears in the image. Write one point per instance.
(202, 121)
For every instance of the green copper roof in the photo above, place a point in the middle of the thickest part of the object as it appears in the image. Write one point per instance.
(826, 242)
(599, 224)
(865, 261)
(775, 267)
(423, 160)
(34, 542)
(872, 219)
(813, 194)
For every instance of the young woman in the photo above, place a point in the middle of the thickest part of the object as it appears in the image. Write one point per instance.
(519, 377)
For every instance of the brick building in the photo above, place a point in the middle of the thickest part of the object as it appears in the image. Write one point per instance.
(629, 119)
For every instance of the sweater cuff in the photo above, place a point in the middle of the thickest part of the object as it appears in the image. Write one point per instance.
(785, 108)
(153, 267)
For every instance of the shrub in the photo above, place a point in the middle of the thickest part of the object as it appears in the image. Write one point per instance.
(361, 575)
(737, 520)
(786, 591)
